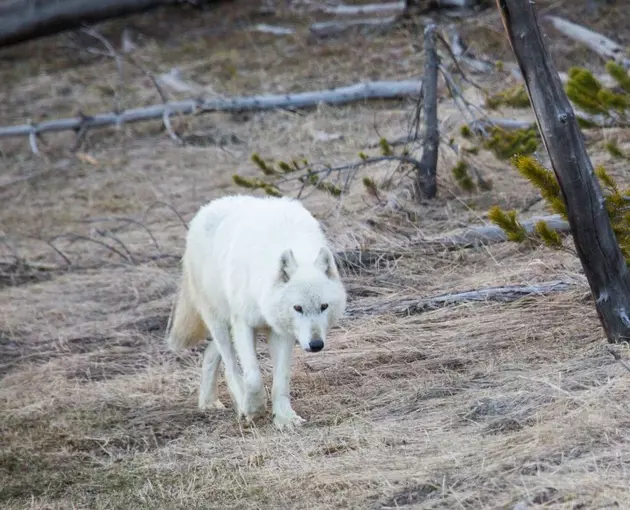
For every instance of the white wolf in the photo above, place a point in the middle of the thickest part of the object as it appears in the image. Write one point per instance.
(255, 265)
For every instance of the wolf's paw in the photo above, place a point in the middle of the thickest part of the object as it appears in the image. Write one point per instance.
(211, 404)
(288, 420)
(254, 405)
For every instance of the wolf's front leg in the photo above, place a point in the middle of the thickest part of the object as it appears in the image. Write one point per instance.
(208, 389)
(254, 394)
(281, 348)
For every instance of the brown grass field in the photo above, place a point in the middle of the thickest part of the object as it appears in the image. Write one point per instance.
(475, 406)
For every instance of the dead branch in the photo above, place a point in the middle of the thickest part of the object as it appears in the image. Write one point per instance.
(125, 220)
(331, 28)
(74, 237)
(480, 126)
(364, 259)
(461, 52)
(337, 96)
(503, 294)
(600, 44)
(353, 10)
(489, 234)
(53, 247)
(618, 357)
(459, 99)
(398, 7)
(23, 20)
(350, 170)
(425, 183)
(174, 80)
(458, 3)
(595, 242)
(168, 206)
(128, 58)
(119, 242)
(601, 121)
(395, 142)
(271, 29)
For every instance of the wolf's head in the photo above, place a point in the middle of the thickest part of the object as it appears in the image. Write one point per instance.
(309, 299)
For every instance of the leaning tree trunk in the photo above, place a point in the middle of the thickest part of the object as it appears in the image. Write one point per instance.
(594, 239)
(21, 20)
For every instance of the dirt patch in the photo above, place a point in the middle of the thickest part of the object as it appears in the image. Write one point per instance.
(21, 273)
(412, 496)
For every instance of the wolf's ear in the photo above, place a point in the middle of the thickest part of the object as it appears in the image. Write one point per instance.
(326, 262)
(288, 265)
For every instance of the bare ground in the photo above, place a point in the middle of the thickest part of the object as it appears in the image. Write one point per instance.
(480, 405)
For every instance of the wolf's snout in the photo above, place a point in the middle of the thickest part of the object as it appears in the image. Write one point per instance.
(316, 345)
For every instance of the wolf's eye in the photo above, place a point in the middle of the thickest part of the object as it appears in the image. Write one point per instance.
(298, 308)
(324, 306)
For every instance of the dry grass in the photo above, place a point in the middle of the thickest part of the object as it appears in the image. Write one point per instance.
(470, 406)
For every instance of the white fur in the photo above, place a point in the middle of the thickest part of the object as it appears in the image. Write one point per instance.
(248, 262)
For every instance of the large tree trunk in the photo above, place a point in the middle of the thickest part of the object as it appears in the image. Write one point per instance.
(21, 20)
(594, 239)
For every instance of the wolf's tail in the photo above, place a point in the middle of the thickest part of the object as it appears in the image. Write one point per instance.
(185, 326)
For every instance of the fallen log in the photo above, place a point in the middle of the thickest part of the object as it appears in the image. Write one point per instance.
(600, 44)
(503, 294)
(352, 10)
(22, 20)
(341, 95)
(479, 126)
(331, 28)
(595, 241)
(471, 237)
(398, 7)
(489, 234)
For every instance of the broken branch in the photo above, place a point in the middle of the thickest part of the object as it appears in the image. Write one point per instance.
(600, 44)
(490, 234)
(23, 20)
(341, 95)
(503, 294)
(330, 28)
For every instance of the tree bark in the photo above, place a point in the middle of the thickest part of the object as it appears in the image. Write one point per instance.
(22, 20)
(426, 184)
(595, 241)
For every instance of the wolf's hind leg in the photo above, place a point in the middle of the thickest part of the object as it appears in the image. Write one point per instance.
(209, 388)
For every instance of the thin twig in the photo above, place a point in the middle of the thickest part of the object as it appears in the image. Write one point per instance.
(125, 219)
(110, 235)
(351, 166)
(457, 94)
(169, 206)
(91, 239)
(456, 62)
(618, 357)
(113, 54)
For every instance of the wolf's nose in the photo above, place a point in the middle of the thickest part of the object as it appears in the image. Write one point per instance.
(316, 345)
